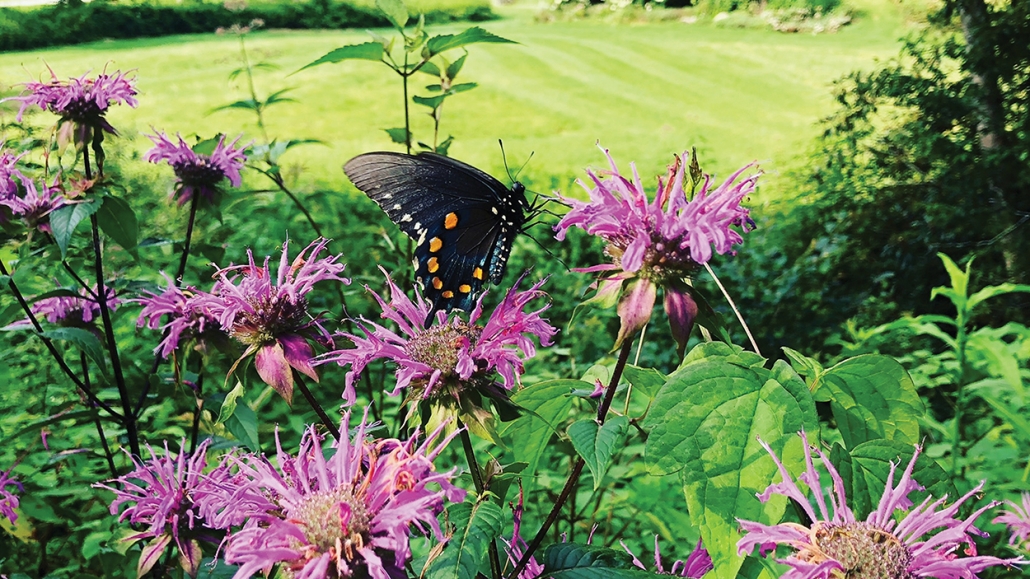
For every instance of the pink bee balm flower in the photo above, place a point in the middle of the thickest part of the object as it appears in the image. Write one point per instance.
(82, 100)
(1018, 521)
(270, 314)
(70, 310)
(198, 173)
(450, 353)
(349, 515)
(35, 206)
(8, 500)
(657, 243)
(186, 318)
(164, 495)
(695, 566)
(839, 545)
(8, 173)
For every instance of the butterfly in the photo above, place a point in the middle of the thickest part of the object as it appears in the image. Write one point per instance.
(463, 221)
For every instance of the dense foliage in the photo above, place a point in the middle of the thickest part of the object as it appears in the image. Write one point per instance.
(77, 22)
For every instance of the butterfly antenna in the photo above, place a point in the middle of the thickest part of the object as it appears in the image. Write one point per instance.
(504, 157)
(548, 251)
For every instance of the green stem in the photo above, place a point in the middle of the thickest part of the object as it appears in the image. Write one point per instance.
(960, 395)
(96, 420)
(333, 429)
(407, 117)
(577, 469)
(477, 481)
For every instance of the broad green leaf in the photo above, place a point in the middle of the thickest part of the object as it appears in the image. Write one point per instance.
(920, 326)
(430, 69)
(995, 354)
(397, 135)
(872, 397)
(646, 380)
(573, 561)
(810, 368)
(864, 471)
(707, 351)
(477, 525)
(548, 404)
(84, 340)
(438, 44)
(364, 51)
(243, 425)
(63, 221)
(395, 12)
(704, 425)
(119, 222)
(596, 444)
(229, 404)
(995, 290)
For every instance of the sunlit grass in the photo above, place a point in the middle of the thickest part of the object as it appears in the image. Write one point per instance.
(645, 91)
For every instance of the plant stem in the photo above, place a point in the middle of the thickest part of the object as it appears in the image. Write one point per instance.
(407, 120)
(198, 411)
(278, 180)
(96, 420)
(477, 480)
(253, 91)
(960, 397)
(733, 306)
(299, 381)
(129, 421)
(602, 412)
(50, 345)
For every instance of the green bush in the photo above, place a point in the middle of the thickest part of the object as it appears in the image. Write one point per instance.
(72, 23)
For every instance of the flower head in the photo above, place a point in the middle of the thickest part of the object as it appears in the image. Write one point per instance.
(695, 566)
(197, 171)
(70, 310)
(35, 206)
(839, 545)
(349, 515)
(81, 100)
(187, 318)
(270, 314)
(8, 500)
(450, 354)
(165, 494)
(8, 173)
(657, 243)
(1018, 521)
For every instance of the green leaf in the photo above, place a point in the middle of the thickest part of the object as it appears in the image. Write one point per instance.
(704, 425)
(462, 87)
(959, 289)
(572, 561)
(646, 380)
(84, 340)
(872, 397)
(455, 67)
(364, 51)
(243, 425)
(707, 351)
(596, 444)
(810, 368)
(995, 290)
(119, 222)
(229, 404)
(395, 12)
(547, 404)
(864, 472)
(245, 104)
(477, 525)
(1012, 416)
(63, 221)
(994, 353)
(430, 69)
(431, 102)
(397, 135)
(438, 44)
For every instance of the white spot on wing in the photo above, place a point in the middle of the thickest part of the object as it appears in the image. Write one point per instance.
(405, 218)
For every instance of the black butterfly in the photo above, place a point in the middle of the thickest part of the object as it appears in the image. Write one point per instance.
(463, 221)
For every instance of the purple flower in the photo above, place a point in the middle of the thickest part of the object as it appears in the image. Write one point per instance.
(270, 314)
(70, 311)
(450, 354)
(35, 206)
(81, 100)
(516, 547)
(880, 546)
(8, 500)
(8, 173)
(658, 243)
(349, 515)
(187, 319)
(697, 564)
(198, 173)
(164, 494)
(1018, 521)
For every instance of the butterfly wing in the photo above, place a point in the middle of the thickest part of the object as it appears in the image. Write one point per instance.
(463, 221)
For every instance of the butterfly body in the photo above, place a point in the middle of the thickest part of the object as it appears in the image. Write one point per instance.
(463, 221)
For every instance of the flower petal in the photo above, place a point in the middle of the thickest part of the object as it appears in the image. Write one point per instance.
(274, 370)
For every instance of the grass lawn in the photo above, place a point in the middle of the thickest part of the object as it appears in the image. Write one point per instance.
(643, 90)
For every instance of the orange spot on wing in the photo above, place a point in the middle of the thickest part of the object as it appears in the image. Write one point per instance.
(435, 244)
(477, 273)
(433, 265)
(437, 283)
(447, 294)
(464, 288)
(451, 221)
